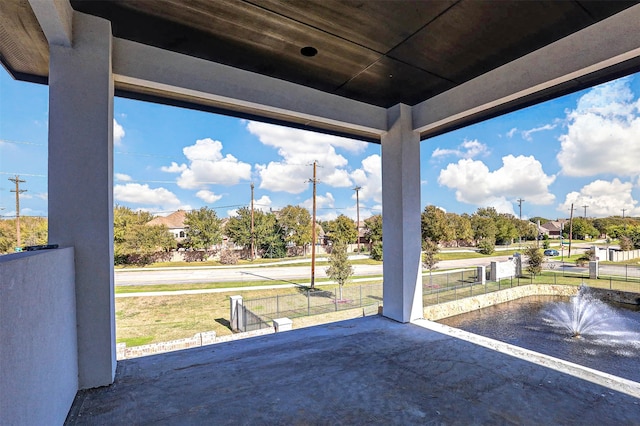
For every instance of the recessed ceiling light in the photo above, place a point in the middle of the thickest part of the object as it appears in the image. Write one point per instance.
(309, 51)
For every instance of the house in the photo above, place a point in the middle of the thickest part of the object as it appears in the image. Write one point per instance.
(553, 228)
(174, 222)
(390, 73)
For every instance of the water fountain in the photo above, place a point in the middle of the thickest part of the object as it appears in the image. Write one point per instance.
(586, 316)
(581, 329)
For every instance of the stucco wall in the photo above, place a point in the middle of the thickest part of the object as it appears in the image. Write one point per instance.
(38, 345)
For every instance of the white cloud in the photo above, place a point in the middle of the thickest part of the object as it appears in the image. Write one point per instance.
(142, 194)
(208, 196)
(603, 133)
(603, 198)
(369, 178)
(43, 195)
(263, 203)
(526, 134)
(207, 165)
(118, 133)
(467, 149)
(512, 132)
(174, 168)
(518, 177)
(322, 201)
(122, 177)
(299, 149)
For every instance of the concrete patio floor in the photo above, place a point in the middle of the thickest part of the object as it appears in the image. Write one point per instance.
(365, 371)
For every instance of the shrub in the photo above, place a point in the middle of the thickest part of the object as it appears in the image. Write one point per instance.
(376, 251)
(486, 246)
(228, 257)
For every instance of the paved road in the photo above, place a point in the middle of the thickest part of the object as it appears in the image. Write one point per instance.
(189, 275)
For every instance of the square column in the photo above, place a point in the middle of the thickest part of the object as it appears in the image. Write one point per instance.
(81, 186)
(402, 288)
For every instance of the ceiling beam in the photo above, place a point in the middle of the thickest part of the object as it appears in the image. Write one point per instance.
(55, 18)
(597, 53)
(157, 73)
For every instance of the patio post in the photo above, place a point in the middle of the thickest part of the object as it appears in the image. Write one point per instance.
(402, 287)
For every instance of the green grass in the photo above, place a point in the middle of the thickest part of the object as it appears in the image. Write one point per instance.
(136, 341)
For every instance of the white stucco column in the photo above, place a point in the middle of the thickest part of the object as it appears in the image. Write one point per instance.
(402, 290)
(81, 186)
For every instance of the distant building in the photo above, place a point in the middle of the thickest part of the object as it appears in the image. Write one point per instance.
(175, 223)
(553, 228)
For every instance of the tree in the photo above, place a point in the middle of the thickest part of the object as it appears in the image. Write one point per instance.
(203, 228)
(534, 259)
(8, 239)
(583, 228)
(460, 226)
(376, 251)
(430, 250)
(340, 268)
(373, 228)
(434, 225)
(265, 229)
(506, 230)
(295, 222)
(483, 224)
(342, 229)
(487, 246)
(134, 240)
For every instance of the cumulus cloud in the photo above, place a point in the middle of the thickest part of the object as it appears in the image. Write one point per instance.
(207, 165)
(518, 177)
(208, 196)
(369, 179)
(603, 198)
(141, 194)
(603, 133)
(118, 133)
(263, 203)
(122, 177)
(174, 168)
(299, 149)
(467, 149)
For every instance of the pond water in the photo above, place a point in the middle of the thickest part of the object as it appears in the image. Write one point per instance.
(539, 323)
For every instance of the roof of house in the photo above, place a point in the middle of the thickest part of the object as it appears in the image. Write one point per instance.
(173, 221)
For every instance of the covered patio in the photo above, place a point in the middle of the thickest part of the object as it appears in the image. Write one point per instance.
(394, 73)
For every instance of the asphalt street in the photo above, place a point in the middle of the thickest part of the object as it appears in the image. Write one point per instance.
(199, 274)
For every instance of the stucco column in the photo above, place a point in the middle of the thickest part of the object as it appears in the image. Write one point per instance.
(81, 186)
(402, 289)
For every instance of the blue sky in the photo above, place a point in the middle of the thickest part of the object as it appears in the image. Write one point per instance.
(583, 148)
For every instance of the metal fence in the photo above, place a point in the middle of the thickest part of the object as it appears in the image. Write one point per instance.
(445, 287)
(605, 271)
(259, 313)
(436, 288)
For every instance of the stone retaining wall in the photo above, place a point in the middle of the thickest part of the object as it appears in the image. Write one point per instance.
(461, 306)
(199, 339)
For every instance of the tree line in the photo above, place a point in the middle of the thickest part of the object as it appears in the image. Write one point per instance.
(288, 232)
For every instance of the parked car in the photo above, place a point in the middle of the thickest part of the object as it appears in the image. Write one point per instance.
(551, 252)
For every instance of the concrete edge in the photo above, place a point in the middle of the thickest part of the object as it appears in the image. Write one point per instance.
(610, 381)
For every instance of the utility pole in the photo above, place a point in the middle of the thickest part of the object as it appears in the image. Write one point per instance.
(357, 189)
(623, 210)
(18, 191)
(252, 232)
(520, 201)
(313, 231)
(585, 211)
(570, 228)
